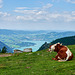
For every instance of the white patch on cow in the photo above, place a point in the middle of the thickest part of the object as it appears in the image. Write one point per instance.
(61, 60)
(53, 47)
(59, 57)
(68, 52)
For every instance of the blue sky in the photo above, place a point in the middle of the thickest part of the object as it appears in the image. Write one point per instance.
(37, 14)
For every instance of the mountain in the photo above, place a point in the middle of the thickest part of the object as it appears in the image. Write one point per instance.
(19, 37)
(55, 35)
(9, 50)
(65, 41)
(16, 32)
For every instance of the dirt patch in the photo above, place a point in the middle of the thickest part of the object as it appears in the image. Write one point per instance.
(5, 55)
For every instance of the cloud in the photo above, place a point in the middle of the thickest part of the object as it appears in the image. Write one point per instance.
(47, 6)
(71, 1)
(4, 14)
(33, 14)
(26, 11)
(56, 0)
(34, 10)
(41, 14)
(47, 16)
(44, 14)
(73, 13)
(68, 17)
(22, 8)
(1, 3)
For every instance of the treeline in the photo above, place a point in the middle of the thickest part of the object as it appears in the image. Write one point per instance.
(3, 50)
(64, 41)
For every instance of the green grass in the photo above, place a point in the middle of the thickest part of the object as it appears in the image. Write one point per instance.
(36, 63)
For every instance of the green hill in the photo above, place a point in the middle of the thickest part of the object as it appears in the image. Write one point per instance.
(65, 41)
(36, 63)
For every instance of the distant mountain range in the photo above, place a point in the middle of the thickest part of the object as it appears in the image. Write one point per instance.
(65, 41)
(18, 38)
(9, 50)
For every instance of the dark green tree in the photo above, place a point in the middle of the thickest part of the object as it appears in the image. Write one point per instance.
(0, 50)
(4, 49)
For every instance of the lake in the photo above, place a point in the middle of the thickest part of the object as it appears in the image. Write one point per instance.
(35, 47)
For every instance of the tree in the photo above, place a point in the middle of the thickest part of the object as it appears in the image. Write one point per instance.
(4, 49)
(0, 50)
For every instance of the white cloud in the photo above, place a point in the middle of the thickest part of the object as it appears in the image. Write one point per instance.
(22, 8)
(34, 10)
(43, 13)
(56, 0)
(26, 11)
(2, 14)
(6, 16)
(47, 6)
(68, 17)
(73, 13)
(71, 1)
(1, 3)
(34, 14)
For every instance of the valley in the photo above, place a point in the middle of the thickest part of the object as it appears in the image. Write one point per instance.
(20, 39)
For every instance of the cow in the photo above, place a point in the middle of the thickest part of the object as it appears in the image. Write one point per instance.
(63, 52)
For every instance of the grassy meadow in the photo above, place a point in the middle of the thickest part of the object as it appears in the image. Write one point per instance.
(36, 63)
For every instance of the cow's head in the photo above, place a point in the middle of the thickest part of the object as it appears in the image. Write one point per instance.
(54, 47)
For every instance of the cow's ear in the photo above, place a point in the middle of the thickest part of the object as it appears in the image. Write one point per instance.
(58, 43)
(61, 44)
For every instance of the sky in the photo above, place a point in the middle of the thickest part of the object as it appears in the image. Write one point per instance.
(37, 14)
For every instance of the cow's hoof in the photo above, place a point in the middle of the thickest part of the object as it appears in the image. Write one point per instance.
(54, 59)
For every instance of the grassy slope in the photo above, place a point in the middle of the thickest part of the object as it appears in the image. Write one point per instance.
(37, 63)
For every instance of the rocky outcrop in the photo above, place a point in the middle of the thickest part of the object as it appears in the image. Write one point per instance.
(27, 50)
(18, 51)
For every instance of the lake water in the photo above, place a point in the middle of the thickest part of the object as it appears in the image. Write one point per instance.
(35, 47)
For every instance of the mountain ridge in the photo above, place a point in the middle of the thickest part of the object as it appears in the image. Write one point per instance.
(65, 41)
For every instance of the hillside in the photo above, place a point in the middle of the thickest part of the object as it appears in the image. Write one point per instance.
(9, 50)
(65, 41)
(36, 63)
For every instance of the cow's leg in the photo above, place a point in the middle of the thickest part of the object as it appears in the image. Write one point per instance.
(56, 57)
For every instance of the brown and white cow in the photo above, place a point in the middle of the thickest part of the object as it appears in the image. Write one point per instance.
(63, 52)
